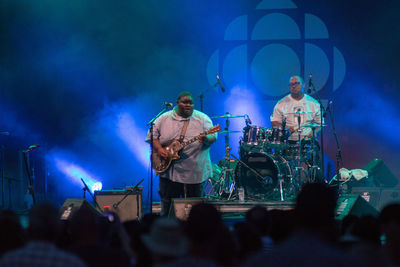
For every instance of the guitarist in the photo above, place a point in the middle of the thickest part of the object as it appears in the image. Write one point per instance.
(186, 175)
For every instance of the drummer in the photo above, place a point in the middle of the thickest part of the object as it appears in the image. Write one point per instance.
(299, 109)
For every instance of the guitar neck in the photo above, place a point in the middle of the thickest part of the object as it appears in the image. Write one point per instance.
(194, 139)
(211, 131)
(188, 142)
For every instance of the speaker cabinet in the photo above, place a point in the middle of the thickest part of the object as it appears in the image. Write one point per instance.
(355, 205)
(180, 207)
(127, 204)
(72, 205)
(380, 173)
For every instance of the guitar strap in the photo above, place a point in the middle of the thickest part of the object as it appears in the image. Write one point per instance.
(184, 128)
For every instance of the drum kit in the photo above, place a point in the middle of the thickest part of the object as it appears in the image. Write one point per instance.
(270, 167)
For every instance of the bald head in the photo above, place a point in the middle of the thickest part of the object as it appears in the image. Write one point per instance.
(296, 87)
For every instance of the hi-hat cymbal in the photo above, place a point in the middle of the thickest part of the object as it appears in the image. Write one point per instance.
(300, 112)
(228, 132)
(227, 115)
(313, 125)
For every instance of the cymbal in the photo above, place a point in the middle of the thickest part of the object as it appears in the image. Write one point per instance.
(313, 125)
(300, 112)
(227, 116)
(228, 132)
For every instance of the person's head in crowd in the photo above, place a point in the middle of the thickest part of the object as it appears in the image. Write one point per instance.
(166, 241)
(282, 224)
(347, 223)
(148, 220)
(203, 223)
(390, 214)
(44, 222)
(84, 227)
(12, 234)
(209, 238)
(315, 210)
(258, 216)
(367, 230)
(248, 239)
(389, 219)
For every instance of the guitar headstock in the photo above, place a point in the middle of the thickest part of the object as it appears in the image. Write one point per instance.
(214, 129)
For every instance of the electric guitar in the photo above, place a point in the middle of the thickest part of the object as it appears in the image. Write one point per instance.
(161, 164)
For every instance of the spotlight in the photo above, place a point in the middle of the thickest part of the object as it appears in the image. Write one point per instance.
(97, 186)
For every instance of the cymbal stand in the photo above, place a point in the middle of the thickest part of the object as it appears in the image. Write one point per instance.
(313, 172)
(323, 113)
(298, 166)
(225, 182)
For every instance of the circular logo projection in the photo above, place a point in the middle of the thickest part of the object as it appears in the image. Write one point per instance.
(268, 66)
(274, 46)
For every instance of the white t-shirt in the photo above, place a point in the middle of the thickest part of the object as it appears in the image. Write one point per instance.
(307, 106)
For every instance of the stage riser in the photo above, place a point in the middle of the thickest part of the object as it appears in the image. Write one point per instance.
(182, 206)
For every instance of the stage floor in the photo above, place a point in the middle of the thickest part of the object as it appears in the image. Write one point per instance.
(229, 208)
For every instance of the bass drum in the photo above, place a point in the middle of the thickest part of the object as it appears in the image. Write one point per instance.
(270, 167)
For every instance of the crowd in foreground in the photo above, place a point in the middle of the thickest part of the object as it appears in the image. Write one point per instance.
(309, 235)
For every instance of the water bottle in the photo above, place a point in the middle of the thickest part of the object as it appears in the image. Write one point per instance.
(241, 194)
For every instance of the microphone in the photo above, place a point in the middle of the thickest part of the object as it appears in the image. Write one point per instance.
(298, 117)
(168, 105)
(309, 84)
(328, 109)
(248, 119)
(220, 84)
(30, 148)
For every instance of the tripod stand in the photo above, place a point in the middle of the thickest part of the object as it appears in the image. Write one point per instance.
(226, 182)
(315, 168)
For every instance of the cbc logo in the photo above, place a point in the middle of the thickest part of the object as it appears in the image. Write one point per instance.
(264, 48)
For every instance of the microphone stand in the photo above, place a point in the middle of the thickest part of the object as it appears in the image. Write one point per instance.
(323, 111)
(30, 179)
(201, 96)
(128, 192)
(2, 176)
(86, 188)
(151, 123)
(339, 158)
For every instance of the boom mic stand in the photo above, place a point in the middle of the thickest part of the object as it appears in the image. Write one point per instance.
(86, 188)
(323, 112)
(201, 96)
(128, 192)
(151, 123)
(339, 158)
(28, 172)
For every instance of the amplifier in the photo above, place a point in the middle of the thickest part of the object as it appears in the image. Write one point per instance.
(126, 203)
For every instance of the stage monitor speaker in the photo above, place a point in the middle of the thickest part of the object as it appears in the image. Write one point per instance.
(127, 204)
(370, 194)
(72, 205)
(352, 204)
(389, 196)
(380, 173)
(180, 207)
